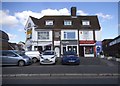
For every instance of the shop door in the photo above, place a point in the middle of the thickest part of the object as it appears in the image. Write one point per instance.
(81, 51)
(57, 50)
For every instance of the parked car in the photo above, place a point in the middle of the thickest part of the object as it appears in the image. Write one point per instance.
(48, 57)
(9, 57)
(70, 57)
(34, 55)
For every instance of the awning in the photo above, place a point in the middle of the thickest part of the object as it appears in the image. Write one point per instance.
(43, 44)
(87, 43)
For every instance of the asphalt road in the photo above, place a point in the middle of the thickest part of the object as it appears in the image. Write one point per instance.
(90, 71)
(62, 80)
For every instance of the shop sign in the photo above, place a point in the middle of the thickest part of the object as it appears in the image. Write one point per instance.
(29, 33)
(87, 42)
(65, 42)
(86, 35)
(71, 42)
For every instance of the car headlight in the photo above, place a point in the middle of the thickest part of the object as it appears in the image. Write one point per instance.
(52, 57)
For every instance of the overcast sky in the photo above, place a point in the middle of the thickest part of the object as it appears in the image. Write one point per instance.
(15, 14)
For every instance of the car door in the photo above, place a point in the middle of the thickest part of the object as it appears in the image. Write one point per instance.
(4, 58)
(11, 58)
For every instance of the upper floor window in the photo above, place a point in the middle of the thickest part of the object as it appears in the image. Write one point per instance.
(85, 22)
(29, 25)
(43, 35)
(57, 34)
(67, 22)
(69, 35)
(49, 22)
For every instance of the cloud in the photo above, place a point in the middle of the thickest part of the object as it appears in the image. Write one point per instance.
(104, 16)
(23, 16)
(80, 12)
(63, 11)
(7, 19)
(12, 37)
(21, 30)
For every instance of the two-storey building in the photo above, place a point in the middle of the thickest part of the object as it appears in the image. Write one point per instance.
(63, 33)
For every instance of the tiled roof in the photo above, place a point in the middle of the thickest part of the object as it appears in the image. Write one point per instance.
(3, 35)
(59, 22)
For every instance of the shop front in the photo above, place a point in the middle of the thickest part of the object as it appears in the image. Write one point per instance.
(87, 48)
(70, 45)
(42, 46)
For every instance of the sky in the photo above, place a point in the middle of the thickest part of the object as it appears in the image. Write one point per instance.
(15, 15)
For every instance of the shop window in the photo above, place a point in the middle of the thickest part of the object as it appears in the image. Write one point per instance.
(75, 49)
(67, 22)
(89, 50)
(47, 47)
(69, 35)
(43, 35)
(72, 48)
(64, 50)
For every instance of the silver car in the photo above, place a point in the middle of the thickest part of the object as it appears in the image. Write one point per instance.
(12, 58)
(48, 57)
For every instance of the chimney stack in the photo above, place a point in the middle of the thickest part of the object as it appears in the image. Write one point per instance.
(73, 11)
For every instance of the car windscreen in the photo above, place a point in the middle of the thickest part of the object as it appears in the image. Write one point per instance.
(21, 53)
(48, 53)
(70, 53)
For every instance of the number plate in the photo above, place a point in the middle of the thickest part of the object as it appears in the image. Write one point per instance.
(71, 61)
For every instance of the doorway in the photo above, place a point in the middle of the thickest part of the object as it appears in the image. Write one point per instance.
(57, 50)
(81, 50)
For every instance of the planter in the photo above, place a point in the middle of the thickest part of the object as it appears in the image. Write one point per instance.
(101, 56)
(118, 59)
(109, 58)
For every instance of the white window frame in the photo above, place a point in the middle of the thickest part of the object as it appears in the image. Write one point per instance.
(65, 33)
(49, 22)
(86, 22)
(47, 38)
(67, 22)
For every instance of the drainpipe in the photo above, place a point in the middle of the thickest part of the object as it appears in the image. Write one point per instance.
(95, 43)
(78, 44)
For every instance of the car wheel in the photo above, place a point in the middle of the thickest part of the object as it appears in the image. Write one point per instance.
(54, 63)
(21, 63)
(34, 60)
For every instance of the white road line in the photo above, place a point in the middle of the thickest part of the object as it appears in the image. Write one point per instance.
(66, 74)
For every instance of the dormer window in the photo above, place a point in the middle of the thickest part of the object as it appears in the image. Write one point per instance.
(85, 22)
(49, 22)
(67, 22)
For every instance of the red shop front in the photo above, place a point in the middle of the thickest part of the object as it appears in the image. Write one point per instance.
(87, 48)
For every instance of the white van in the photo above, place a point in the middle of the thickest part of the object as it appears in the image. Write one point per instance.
(34, 55)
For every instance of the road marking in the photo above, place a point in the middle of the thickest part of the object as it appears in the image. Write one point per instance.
(64, 74)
